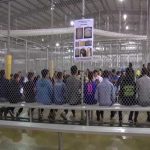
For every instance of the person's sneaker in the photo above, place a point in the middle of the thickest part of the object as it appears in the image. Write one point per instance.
(135, 123)
(120, 123)
(72, 118)
(130, 122)
(1, 115)
(40, 116)
(148, 119)
(98, 118)
(112, 121)
(68, 116)
(5, 115)
(11, 114)
(102, 120)
(63, 116)
(51, 116)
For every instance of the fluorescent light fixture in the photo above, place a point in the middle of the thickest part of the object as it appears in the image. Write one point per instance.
(121, 0)
(127, 27)
(125, 17)
(57, 44)
(72, 23)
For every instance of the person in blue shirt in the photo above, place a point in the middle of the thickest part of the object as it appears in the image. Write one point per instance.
(113, 77)
(59, 90)
(44, 92)
(105, 94)
(89, 90)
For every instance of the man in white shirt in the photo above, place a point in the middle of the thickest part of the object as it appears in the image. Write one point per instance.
(97, 77)
(143, 90)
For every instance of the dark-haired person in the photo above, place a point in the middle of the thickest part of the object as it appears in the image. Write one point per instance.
(148, 69)
(89, 90)
(143, 90)
(11, 77)
(73, 90)
(113, 77)
(97, 76)
(44, 92)
(21, 79)
(131, 70)
(29, 92)
(36, 78)
(14, 94)
(60, 92)
(127, 95)
(3, 91)
(105, 95)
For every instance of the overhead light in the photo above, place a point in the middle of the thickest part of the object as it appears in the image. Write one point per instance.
(57, 44)
(72, 23)
(125, 17)
(42, 39)
(52, 8)
(121, 0)
(127, 27)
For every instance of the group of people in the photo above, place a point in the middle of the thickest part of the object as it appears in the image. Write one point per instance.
(102, 87)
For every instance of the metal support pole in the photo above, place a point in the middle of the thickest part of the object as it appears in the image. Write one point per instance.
(120, 22)
(87, 117)
(147, 54)
(60, 141)
(111, 58)
(52, 14)
(83, 9)
(9, 11)
(82, 65)
(30, 111)
(107, 23)
(47, 58)
(141, 18)
(63, 59)
(99, 19)
(26, 59)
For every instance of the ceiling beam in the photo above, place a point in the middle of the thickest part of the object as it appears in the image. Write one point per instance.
(132, 6)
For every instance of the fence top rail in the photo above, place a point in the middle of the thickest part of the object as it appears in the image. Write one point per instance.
(115, 107)
(76, 128)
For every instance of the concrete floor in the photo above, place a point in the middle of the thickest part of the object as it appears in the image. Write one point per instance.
(11, 139)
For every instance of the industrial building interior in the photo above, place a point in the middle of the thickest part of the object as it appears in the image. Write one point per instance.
(40, 34)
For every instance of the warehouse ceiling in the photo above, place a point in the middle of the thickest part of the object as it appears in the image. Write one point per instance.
(37, 14)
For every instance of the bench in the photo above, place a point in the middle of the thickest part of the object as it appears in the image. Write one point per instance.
(115, 107)
(60, 129)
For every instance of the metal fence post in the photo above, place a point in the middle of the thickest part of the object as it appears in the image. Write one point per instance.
(26, 59)
(60, 141)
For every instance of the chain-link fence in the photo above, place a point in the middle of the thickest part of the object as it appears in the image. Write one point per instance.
(70, 86)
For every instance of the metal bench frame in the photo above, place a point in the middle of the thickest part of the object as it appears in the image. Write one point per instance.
(76, 128)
